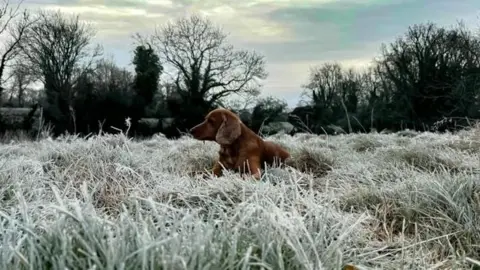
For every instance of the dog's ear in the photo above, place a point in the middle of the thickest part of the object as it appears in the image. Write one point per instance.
(229, 131)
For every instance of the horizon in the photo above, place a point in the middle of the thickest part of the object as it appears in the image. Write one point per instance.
(292, 35)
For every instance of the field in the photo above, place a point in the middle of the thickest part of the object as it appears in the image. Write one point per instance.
(373, 201)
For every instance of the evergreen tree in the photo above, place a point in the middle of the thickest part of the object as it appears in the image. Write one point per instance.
(147, 74)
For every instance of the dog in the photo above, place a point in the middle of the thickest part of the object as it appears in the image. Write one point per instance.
(241, 150)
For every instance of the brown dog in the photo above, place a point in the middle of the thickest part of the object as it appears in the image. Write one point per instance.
(240, 148)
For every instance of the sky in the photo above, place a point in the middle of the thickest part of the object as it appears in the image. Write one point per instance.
(293, 35)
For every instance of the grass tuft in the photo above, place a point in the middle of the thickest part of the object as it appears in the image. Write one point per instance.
(314, 160)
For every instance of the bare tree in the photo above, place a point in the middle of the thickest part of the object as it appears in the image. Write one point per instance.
(324, 83)
(109, 77)
(60, 49)
(21, 79)
(431, 72)
(13, 25)
(206, 66)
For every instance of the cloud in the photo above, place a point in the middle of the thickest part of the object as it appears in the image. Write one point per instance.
(112, 22)
(312, 25)
(348, 24)
(127, 16)
(248, 26)
(160, 3)
(248, 20)
(344, 30)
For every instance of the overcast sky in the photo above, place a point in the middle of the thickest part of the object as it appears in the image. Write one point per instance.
(292, 34)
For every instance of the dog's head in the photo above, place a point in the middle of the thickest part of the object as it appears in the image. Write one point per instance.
(220, 125)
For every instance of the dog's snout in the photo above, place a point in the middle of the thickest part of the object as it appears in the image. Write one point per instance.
(194, 131)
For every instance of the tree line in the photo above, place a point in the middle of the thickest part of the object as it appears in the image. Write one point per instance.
(187, 67)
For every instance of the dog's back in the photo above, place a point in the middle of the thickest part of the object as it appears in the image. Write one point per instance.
(273, 153)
